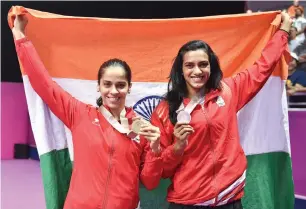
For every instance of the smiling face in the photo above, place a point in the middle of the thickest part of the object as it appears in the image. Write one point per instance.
(114, 87)
(196, 70)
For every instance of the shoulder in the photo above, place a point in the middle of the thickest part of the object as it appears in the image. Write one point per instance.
(227, 84)
(161, 113)
(87, 109)
(162, 108)
(130, 113)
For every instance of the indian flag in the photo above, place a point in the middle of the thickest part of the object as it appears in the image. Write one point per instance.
(73, 48)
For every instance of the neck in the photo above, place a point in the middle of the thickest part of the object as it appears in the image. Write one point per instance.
(116, 112)
(195, 92)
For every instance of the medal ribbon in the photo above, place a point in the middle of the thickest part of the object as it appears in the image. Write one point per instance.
(191, 105)
(123, 127)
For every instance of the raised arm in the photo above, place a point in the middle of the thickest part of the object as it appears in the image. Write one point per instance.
(248, 83)
(62, 104)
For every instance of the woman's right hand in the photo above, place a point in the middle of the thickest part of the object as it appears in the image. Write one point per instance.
(181, 133)
(20, 24)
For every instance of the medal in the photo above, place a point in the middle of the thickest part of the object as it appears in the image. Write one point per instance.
(183, 117)
(136, 125)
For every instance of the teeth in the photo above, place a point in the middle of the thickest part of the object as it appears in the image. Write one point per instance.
(197, 78)
(113, 99)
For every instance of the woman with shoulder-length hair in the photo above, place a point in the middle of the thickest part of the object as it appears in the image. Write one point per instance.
(199, 128)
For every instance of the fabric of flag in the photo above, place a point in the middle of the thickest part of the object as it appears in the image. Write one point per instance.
(73, 48)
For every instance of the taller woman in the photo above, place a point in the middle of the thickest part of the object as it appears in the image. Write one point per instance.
(198, 124)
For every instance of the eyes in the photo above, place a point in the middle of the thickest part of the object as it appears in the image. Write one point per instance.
(202, 64)
(119, 85)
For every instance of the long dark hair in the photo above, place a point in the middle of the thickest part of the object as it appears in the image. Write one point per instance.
(177, 87)
(114, 62)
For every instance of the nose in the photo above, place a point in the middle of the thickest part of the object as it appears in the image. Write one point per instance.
(114, 90)
(197, 70)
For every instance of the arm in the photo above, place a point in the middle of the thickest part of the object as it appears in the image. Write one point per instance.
(172, 154)
(249, 82)
(60, 102)
(303, 30)
(151, 167)
(295, 89)
(302, 58)
(300, 32)
(300, 88)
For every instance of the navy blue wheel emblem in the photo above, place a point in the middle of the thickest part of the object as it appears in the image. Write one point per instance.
(146, 106)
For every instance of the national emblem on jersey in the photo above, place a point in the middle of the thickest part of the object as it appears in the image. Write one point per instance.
(146, 106)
